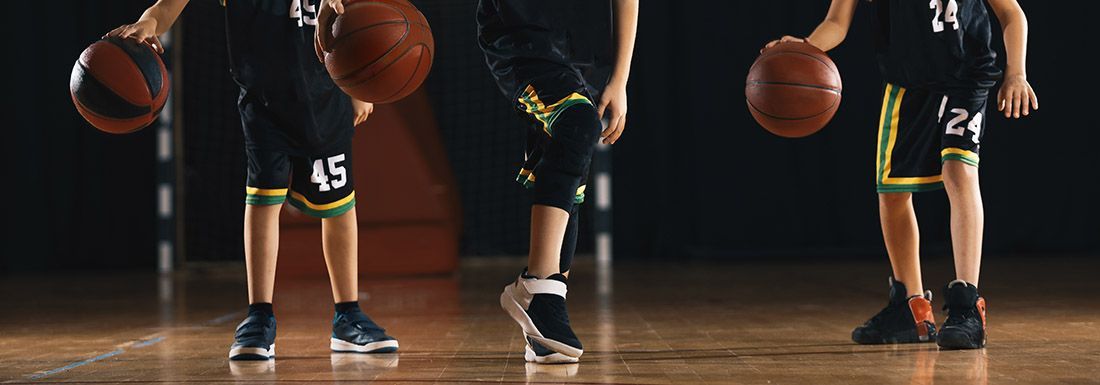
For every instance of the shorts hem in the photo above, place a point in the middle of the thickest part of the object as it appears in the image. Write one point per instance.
(264, 197)
(323, 213)
(259, 200)
(325, 210)
(902, 188)
(959, 157)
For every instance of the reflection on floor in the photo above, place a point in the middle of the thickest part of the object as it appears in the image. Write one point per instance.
(647, 323)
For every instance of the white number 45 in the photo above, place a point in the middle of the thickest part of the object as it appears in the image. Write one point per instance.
(949, 14)
(321, 178)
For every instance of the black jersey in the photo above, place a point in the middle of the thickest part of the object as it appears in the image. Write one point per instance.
(288, 100)
(936, 43)
(524, 40)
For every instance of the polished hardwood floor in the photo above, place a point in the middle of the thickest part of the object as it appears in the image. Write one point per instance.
(759, 322)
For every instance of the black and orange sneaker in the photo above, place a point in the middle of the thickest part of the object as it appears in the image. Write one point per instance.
(903, 320)
(965, 324)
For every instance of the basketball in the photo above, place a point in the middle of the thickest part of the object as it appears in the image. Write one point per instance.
(380, 50)
(119, 85)
(793, 89)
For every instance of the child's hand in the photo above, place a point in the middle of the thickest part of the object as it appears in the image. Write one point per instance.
(143, 31)
(362, 110)
(783, 39)
(1016, 97)
(613, 102)
(325, 17)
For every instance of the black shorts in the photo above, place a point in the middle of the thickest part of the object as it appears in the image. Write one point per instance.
(919, 129)
(319, 185)
(540, 103)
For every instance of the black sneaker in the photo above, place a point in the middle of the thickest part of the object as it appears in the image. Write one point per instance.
(903, 320)
(255, 338)
(538, 306)
(965, 324)
(354, 332)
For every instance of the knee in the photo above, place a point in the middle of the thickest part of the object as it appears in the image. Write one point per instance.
(958, 174)
(575, 132)
(887, 201)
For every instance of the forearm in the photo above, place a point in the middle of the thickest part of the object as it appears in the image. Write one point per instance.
(828, 35)
(164, 13)
(1015, 36)
(626, 28)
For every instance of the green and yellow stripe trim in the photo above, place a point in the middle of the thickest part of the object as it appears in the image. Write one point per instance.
(547, 114)
(264, 196)
(887, 138)
(527, 178)
(952, 153)
(325, 210)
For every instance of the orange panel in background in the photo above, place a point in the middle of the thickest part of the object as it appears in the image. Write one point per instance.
(406, 200)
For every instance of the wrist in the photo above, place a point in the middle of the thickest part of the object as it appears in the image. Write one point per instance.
(616, 82)
(149, 22)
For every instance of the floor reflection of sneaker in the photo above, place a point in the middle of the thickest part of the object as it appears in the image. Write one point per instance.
(538, 306)
(358, 363)
(254, 339)
(354, 332)
(564, 370)
(245, 368)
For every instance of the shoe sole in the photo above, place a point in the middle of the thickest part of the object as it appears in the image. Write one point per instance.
(341, 346)
(511, 305)
(553, 358)
(245, 353)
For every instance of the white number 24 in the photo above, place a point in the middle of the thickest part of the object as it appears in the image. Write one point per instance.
(321, 178)
(975, 125)
(949, 12)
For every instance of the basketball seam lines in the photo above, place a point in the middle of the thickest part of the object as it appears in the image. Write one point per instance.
(133, 66)
(831, 89)
(356, 84)
(800, 118)
(830, 67)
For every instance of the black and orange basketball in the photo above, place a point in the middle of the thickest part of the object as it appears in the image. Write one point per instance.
(119, 85)
(380, 50)
(793, 89)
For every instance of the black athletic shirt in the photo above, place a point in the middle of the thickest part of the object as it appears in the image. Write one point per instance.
(936, 43)
(527, 39)
(287, 97)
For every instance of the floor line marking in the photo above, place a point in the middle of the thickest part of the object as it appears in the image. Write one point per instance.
(139, 343)
(142, 342)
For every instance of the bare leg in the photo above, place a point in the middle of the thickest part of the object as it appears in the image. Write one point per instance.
(547, 232)
(340, 240)
(261, 250)
(967, 218)
(899, 230)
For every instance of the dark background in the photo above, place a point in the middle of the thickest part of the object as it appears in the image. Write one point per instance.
(694, 176)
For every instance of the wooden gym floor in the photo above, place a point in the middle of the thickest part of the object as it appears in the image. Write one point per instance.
(778, 322)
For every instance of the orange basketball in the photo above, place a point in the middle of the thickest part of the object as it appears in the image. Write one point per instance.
(119, 85)
(380, 50)
(793, 89)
